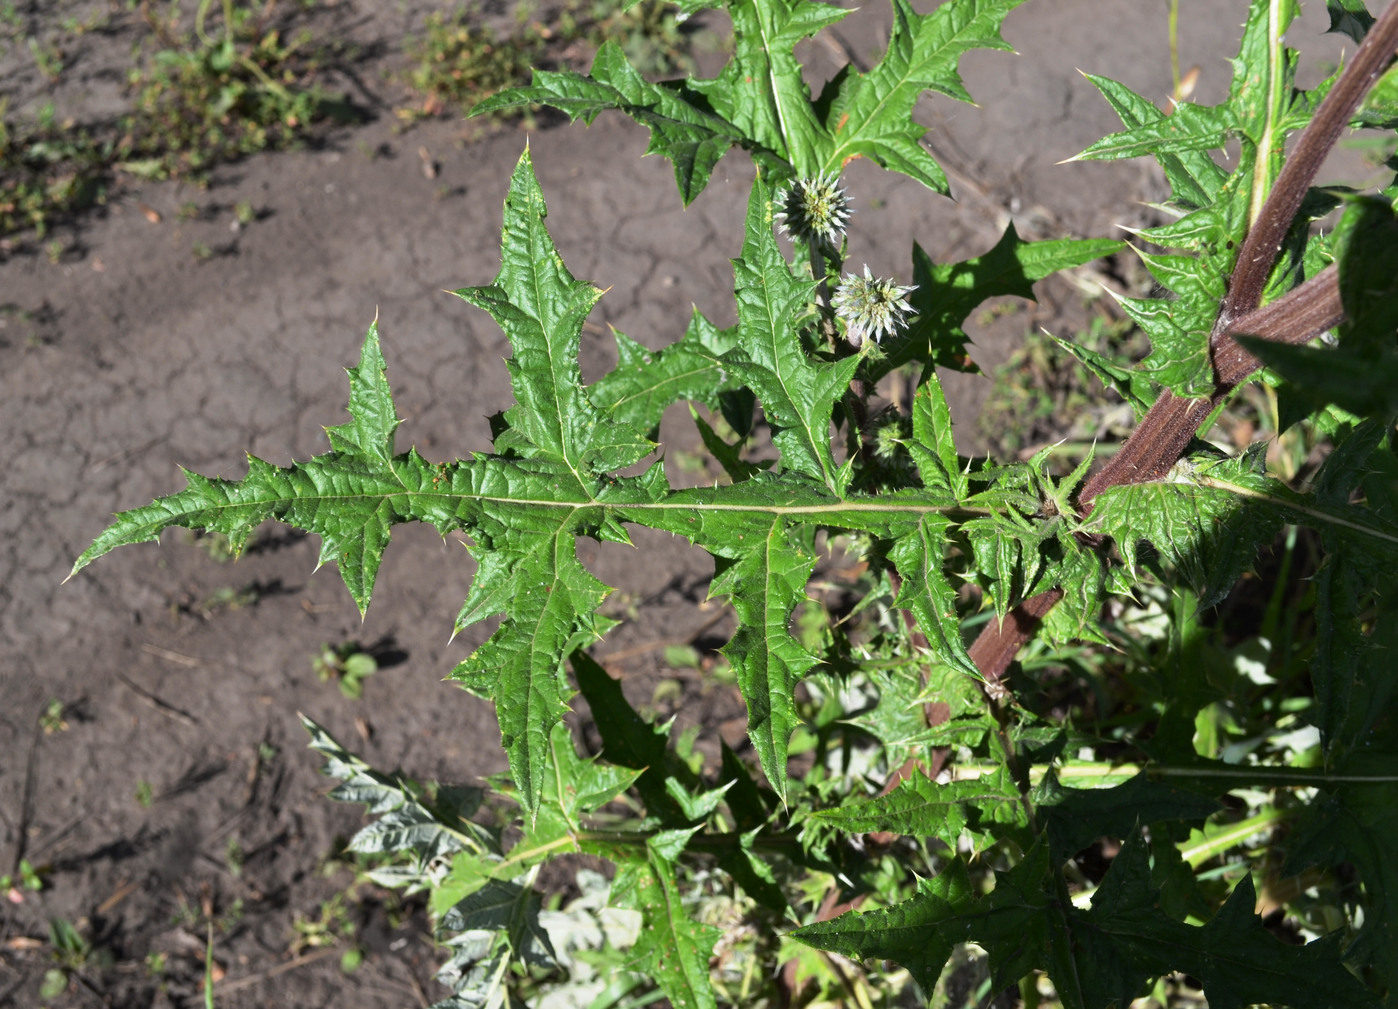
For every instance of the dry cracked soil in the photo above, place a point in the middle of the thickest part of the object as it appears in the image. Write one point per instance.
(178, 788)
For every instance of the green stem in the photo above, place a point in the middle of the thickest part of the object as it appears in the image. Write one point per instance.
(1216, 844)
(1264, 172)
(1175, 47)
(574, 840)
(200, 14)
(1104, 774)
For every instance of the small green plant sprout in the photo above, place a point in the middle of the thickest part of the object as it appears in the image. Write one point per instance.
(48, 58)
(145, 794)
(1069, 717)
(54, 983)
(457, 63)
(210, 968)
(348, 664)
(52, 720)
(156, 963)
(26, 878)
(234, 856)
(330, 926)
(244, 213)
(72, 954)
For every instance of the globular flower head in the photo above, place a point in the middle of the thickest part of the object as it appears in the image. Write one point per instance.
(870, 307)
(815, 209)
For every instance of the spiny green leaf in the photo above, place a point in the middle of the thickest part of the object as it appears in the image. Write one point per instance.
(1210, 518)
(989, 807)
(1130, 385)
(919, 558)
(797, 394)
(572, 786)
(1194, 176)
(1362, 384)
(1359, 373)
(1076, 817)
(1188, 128)
(503, 906)
(1350, 17)
(630, 741)
(728, 456)
(1261, 107)
(542, 308)
(374, 418)
(673, 948)
(1123, 940)
(1357, 823)
(762, 91)
(406, 822)
(933, 448)
(682, 127)
(949, 292)
(645, 382)
(765, 585)
(1099, 957)
(870, 114)
(1179, 327)
(907, 933)
(1013, 924)
(899, 721)
(1211, 534)
(350, 498)
(551, 613)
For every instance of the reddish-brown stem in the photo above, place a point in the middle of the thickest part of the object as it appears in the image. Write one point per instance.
(1264, 240)
(994, 649)
(1160, 438)
(1298, 317)
(1171, 422)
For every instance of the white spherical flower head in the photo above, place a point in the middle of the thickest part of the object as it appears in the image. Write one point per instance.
(870, 307)
(814, 210)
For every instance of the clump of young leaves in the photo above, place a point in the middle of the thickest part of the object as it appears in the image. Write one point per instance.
(972, 777)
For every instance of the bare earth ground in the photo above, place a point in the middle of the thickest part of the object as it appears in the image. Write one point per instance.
(131, 356)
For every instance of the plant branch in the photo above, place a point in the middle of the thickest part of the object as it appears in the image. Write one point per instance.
(1265, 238)
(1167, 428)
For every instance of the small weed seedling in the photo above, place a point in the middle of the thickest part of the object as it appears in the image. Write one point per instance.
(52, 720)
(1090, 720)
(348, 664)
(26, 878)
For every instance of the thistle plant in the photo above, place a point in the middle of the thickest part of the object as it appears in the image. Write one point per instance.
(1090, 838)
